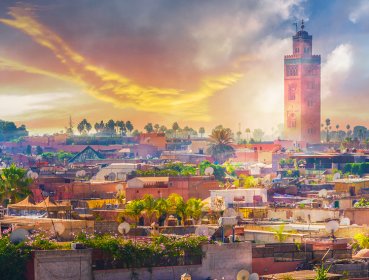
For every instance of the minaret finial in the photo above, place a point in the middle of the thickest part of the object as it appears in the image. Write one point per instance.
(302, 24)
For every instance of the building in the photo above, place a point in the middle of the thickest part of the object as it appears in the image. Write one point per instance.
(302, 110)
(354, 187)
(239, 197)
(162, 187)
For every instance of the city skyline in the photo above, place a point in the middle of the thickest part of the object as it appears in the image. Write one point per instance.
(200, 64)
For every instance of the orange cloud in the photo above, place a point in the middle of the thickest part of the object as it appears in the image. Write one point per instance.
(112, 87)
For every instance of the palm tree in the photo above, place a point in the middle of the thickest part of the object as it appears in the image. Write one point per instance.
(327, 128)
(162, 208)
(194, 208)
(220, 144)
(201, 131)
(14, 184)
(149, 207)
(177, 206)
(248, 131)
(129, 126)
(134, 210)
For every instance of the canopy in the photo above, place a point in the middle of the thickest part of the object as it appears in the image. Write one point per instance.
(27, 204)
(49, 205)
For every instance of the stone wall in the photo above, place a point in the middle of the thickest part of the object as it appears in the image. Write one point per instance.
(220, 260)
(223, 260)
(63, 265)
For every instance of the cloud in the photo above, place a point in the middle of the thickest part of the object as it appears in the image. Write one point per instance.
(336, 68)
(13, 105)
(360, 11)
(112, 87)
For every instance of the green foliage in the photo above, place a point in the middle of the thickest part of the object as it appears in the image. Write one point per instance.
(245, 181)
(219, 171)
(13, 259)
(220, 144)
(59, 156)
(356, 168)
(361, 241)
(279, 234)
(10, 132)
(144, 254)
(170, 169)
(14, 184)
(322, 272)
(362, 203)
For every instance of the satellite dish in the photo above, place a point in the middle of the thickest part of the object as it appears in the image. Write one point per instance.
(81, 173)
(124, 228)
(229, 212)
(119, 187)
(243, 275)
(34, 175)
(29, 173)
(59, 228)
(202, 230)
(332, 226)
(345, 221)
(323, 193)
(254, 276)
(336, 176)
(209, 171)
(19, 235)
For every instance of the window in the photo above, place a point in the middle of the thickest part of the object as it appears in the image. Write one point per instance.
(292, 92)
(291, 70)
(297, 50)
(306, 50)
(310, 130)
(291, 120)
(310, 103)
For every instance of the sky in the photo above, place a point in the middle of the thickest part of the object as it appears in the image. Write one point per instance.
(201, 63)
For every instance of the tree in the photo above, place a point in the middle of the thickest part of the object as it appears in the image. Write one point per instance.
(177, 206)
(201, 131)
(129, 126)
(121, 127)
(161, 208)
(175, 128)
(248, 132)
(110, 127)
(258, 134)
(10, 132)
(29, 150)
(194, 208)
(327, 128)
(149, 128)
(163, 129)
(157, 127)
(134, 210)
(88, 127)
(149, 207)
(39, 150)
(219, 171)
(14, 184)
(279, 234)
(220, 144)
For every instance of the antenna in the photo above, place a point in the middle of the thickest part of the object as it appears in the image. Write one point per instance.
(243, 274)
(295, 24)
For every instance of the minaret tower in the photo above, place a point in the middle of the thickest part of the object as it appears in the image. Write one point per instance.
(302, 90)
